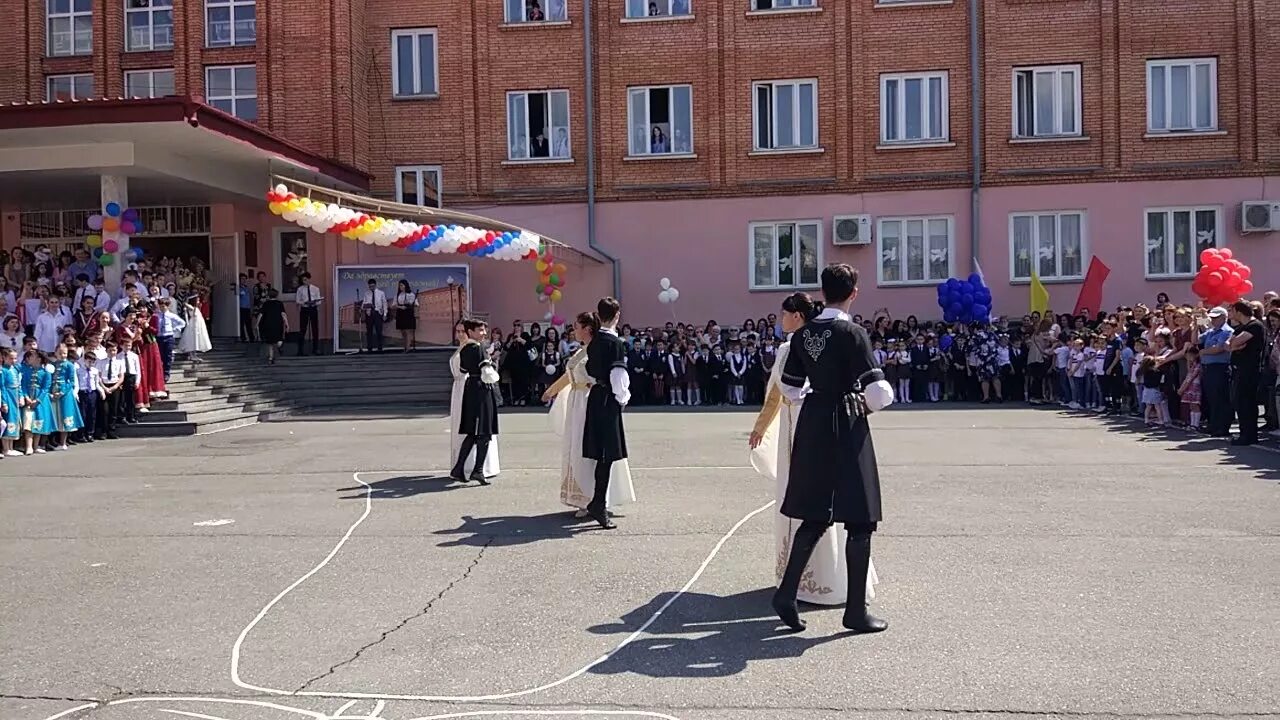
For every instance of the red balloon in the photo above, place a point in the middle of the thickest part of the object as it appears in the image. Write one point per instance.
(1246, 287)
(1233, 280)
(1216, 278)
(1245, 271)
(1225, 253)
(1206, 254)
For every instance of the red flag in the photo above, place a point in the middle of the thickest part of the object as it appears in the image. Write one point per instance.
(1091, 291)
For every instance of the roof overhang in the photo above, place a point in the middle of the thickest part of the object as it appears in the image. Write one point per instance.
(168, 145)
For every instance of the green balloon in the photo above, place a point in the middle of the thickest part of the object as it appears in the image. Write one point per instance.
(106, 259)
(541, 289)
(555, 279)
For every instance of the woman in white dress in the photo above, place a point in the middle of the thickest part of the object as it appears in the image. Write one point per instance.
(491, 466)
(195, 336)
(568, 418)
(824, 581)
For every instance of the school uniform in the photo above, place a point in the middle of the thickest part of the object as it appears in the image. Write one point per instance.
(111, 368)
(128, 402)
(919, 371)
(308, 297)
(90, 391)
(170, 327)
(375, 314)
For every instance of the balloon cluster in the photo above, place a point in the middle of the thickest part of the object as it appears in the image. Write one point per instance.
(415, 237)
(1222, 279)
(111, 227)
(668, 294)
(966, 301)
(550, 277)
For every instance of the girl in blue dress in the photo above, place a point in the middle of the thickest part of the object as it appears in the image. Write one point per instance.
(37, 412)
(65, 396)
(10, 401)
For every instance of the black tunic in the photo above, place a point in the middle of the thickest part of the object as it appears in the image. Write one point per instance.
(833, 463)
(479, 400)
(602, 434)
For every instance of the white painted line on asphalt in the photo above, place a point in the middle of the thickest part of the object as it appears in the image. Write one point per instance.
(213, 523)
(75, 709)
(368, 508)
(221, 701)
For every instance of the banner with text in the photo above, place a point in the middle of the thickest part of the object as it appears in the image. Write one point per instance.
(443, 293)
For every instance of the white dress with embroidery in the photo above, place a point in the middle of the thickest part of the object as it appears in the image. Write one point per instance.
(568, 418)
(825, 578)
(491, 465)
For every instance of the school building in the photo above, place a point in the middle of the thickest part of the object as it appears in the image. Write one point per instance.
(734, 146)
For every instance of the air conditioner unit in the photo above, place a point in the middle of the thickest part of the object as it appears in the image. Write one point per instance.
(851, 230)
(1259, 216)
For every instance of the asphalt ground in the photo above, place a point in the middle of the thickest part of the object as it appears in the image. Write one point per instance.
(1032, 563)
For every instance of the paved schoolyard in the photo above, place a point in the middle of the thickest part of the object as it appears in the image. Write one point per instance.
(1032, 563)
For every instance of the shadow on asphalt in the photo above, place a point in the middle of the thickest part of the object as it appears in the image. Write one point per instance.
(406, 486)
(1263, 461)
(511, 530)
(708, 636)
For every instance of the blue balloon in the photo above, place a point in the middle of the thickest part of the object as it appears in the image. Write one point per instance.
(113, 209)
(967, 301)
(980, 312)
(947, 317)
(946, 341)
(942, 288)
(956, 308)
(975, 279)
(137, 251)
(953, 283)
(418, 245)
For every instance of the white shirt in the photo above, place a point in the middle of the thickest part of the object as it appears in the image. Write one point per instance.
(619, 380)
(406, 299)
(113, 369)
(132, 365)
(879, 394)
(48, 331)
(377, 299)
(87, 378)
(170, 324)
(84, 292)
(1061, 355)
(1002, 356)
(11, 341)
(308, 295)
(118, 307)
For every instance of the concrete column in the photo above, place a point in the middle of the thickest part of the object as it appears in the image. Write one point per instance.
(115, 189)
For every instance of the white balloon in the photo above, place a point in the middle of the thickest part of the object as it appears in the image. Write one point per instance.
(674, 294)
(281, 189)
(548, 316)
(665, 283)
(289, 215)
(664, 297)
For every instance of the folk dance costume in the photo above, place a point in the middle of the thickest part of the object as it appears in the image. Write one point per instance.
(824, 581)
(10, 396)
(37, 415)
(603, 439)
(491, 466)
(568, 421)
(833, 474)
(478, 415)
(66, 397)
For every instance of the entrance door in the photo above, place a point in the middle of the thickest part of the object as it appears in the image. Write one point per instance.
(224, 267)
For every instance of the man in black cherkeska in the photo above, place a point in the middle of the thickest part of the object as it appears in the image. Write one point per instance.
(478, 418)
(833, 477)
(603, 439)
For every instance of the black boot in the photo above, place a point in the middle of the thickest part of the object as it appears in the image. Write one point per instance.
(458, 473)
(784, 599)
(596, 508)
(858, 559)
(482, 450)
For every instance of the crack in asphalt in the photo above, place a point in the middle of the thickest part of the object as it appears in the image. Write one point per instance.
(52, 698)
(387, 633)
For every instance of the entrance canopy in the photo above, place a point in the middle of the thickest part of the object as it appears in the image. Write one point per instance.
(174, 150)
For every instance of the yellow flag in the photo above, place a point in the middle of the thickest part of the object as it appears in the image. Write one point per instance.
(1039, 295)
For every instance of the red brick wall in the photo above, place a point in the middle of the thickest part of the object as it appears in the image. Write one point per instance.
(324, 81)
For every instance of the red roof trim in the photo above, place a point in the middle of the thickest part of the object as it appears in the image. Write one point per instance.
(172, 109)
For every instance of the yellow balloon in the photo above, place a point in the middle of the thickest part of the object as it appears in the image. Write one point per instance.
(542, 266)
(275, 208)
(556, 295)
(93, 241)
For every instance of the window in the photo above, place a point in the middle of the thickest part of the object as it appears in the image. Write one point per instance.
(661, 120)
(418, 185)
(1046, 101)
(413, 66)
(538, 125)
(913, 108)
(148, 24)
(528, 11)
(658, 8)
(1177, 236)
(786, 115)
(233, 89)
(1182, 95)
(785, 254)
(1051, 243)
(70, 27)
(289, 257)
(914, 250)
(230, 22)
(148, 83)
(69, 87)
(782, 4)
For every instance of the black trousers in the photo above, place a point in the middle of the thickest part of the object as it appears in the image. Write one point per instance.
(166, 354)
(246, 325)
(1215, 398)
(89, 412)
(309, 317)
(373, 331)
(108, 411)
(126, 410)
(1244, 395)
(603, 471)
(481, 445)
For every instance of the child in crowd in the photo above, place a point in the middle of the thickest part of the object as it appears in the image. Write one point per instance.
(37, 413)
(919, 354)
(1130, 398)
(692, 382)
(1062, 378)
(10, 401)
(1004, 364)
(1097, 368)
(902, 364)
(737, 364)
(65, 396)
(132, 372)
(1189, 391)
(717, 375)
(1153, 398)
(1077, 369)
(89, 383)
(112, 367)
(937, 369)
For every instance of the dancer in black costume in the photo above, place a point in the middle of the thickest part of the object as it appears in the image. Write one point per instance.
(479, 417)
(603, 438)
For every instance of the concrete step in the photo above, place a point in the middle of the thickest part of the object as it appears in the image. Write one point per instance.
(326, 384)
(193, 424)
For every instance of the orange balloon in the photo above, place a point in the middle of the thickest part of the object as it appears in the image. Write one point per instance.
(110, 224)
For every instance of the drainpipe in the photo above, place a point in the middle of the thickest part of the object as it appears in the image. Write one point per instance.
(975, 123)
(591, 150)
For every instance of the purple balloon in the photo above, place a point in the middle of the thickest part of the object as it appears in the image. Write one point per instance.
(127, 228)
(131, 214)
(95, 222)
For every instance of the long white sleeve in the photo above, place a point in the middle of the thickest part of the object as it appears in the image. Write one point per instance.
(794, 394)
(879, 395)
(621, 384)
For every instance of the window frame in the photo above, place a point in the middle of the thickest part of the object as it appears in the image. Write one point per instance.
(231, 6)
(648, 109)
(1220, 238)
(568, 127)
(151, 82)
(902, 255)
(773, 110)
(818, 223)
(668, 15)
(416, 34)
(70, 16)
(150, 12)
(506, 19)
(419, 171)
(926, 76)
(234, 98)
(1035, 216)
(1168, 64)
(48, 86)
(795, 5)
(1057, 70)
